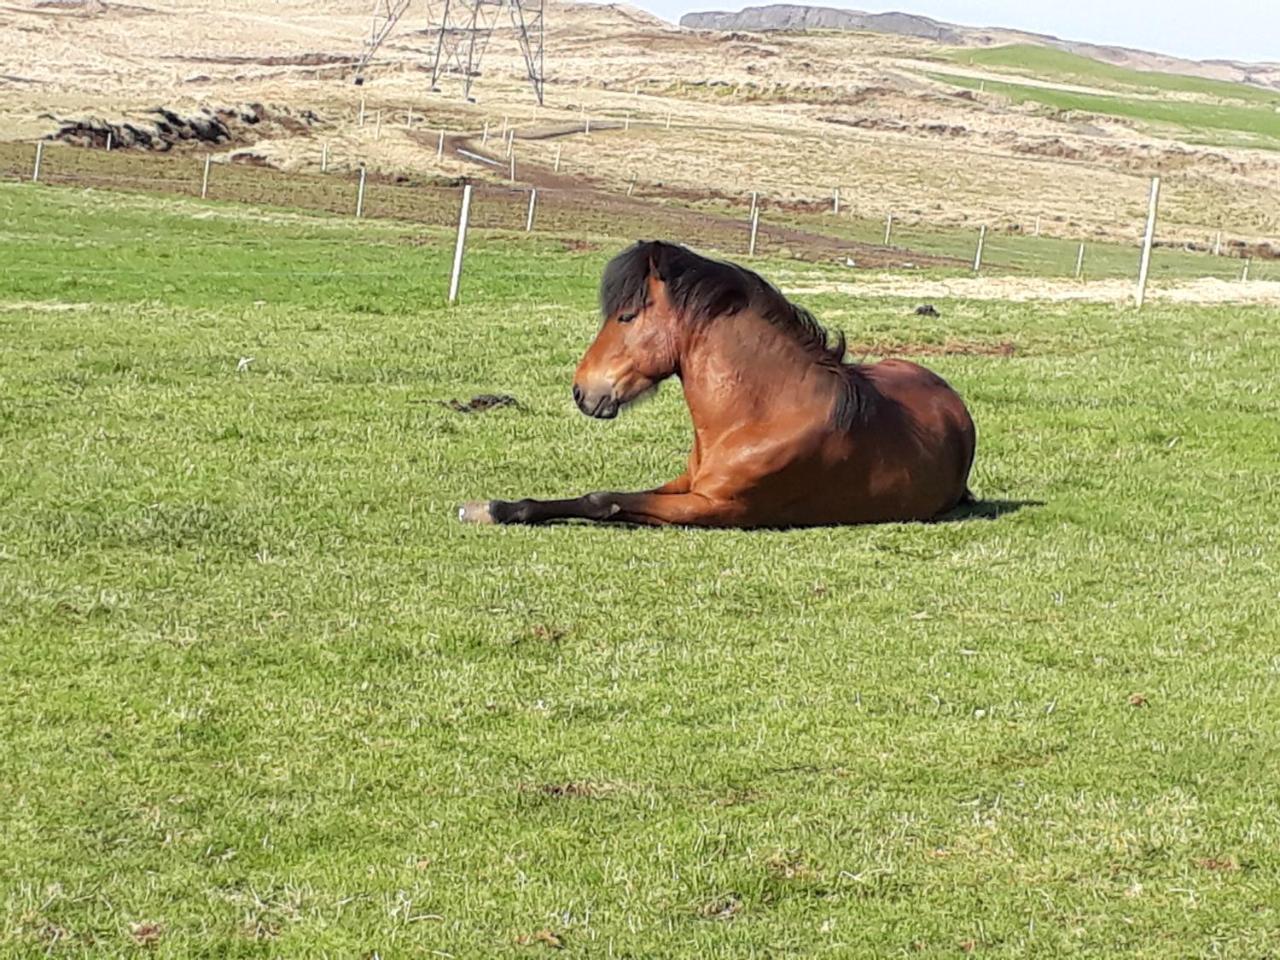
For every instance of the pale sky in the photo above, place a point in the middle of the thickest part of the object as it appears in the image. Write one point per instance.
(1217, 29)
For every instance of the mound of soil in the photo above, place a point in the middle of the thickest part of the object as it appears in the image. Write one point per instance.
(163, 129)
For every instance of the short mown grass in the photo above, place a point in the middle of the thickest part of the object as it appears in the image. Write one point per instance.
(264, 696)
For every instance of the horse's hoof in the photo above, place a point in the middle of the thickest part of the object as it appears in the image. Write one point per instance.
(478, 511)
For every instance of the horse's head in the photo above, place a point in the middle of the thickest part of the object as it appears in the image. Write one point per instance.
(637, 346)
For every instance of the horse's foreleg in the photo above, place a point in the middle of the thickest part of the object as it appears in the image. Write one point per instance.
(674, 509)
(587, 507)
(652, 508)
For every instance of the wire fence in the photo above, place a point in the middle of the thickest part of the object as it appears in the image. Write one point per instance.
(586, 211)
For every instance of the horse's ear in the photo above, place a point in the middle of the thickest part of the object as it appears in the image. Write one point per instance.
(653, 255)
(659, 256)
(656, 280)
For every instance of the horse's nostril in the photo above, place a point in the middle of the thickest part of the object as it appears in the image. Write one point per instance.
(577, 394)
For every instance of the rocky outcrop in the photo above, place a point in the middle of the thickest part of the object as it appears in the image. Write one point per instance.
(785, 16)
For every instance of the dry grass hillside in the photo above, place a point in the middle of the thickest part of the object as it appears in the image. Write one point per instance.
(689, 115)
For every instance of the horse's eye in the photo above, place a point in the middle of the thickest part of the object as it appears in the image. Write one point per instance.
(626, 317)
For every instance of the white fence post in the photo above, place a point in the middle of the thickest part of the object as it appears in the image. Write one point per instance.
(1080, 262)
(528, 220)
(559, 147)
(324, 157)
(504, 125)
(360, 194)
(755, 229)
(408, 119)
(982, 240)
(1244, 277)
(204, 183)
(835, 201)
(631, 187)
(668, 119)
(1217, 245)
(888, 229)
(456, 277)
(511, 173)
(440, 146)
(1037, 226)
(754, 202)
(377, 125)
(35, 171)
(484, 137)
(108, 141)
(586, 127)
(1144, 265)
(361, 121)
(626, 123)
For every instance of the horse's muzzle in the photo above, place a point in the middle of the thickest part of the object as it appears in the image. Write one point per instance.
(602, 406)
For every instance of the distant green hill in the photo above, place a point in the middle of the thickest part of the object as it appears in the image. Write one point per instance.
(1222, 124)
(1050, 63)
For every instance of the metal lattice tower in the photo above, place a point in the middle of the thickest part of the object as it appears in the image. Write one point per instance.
(460, 34)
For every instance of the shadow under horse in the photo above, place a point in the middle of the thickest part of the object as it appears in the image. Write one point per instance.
(786, 433)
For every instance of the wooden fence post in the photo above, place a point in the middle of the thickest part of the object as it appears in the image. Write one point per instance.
(108, 141)
(377, 125)
(1144, 265)
(484, 137)
(888, 229)
(360, 194)
(361, 121)
(1244, 277)
(324, 157)
(512, 171)
(1080, 262)
(440, 146)
(755, 229)
(204, 183)
(35, 171)
(982, 239)
(528, 220)
(559, 147)
(456, 276)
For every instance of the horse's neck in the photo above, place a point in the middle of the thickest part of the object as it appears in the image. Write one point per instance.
(742, 369)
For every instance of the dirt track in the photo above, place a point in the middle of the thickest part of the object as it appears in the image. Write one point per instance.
(597, 210)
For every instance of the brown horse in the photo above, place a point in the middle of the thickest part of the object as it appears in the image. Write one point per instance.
(786, 434)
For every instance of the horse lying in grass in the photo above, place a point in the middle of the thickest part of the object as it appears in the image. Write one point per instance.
(786, 434)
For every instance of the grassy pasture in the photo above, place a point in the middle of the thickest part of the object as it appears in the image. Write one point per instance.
(1049, 63)
(263, 696)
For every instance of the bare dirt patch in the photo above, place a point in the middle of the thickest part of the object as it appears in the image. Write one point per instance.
(1030, 289)
(485, 401)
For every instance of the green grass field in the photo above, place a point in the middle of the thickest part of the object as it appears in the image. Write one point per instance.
(1049, 63)
(264, 696)
(1222, 123)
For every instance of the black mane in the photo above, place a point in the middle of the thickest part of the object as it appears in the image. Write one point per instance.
(702, 289)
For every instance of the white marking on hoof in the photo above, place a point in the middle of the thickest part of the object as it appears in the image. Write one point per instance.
(475, 512)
